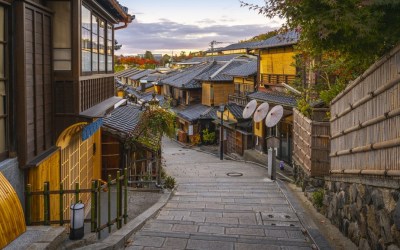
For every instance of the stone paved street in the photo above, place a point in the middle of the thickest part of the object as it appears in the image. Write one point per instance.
(210, 210)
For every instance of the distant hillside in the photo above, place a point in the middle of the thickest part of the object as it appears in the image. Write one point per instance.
(261, 37)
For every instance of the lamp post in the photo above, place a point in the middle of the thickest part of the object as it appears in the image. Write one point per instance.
(221, 132)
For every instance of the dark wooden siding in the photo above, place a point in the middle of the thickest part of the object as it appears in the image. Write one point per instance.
(34, 82)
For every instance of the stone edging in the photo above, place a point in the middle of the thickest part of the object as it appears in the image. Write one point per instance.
(118, 239)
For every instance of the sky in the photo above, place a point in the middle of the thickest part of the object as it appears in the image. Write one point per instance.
(166, 26)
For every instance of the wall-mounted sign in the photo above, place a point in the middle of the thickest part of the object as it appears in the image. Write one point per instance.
(190, 132)
(92, 128)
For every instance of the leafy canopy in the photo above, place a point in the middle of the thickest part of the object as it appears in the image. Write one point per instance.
(364, 29)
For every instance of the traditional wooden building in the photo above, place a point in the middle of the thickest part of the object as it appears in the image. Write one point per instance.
(182, 87)
(245, 82)
(58, 83)
(238, 135)
(192, 120)
(216, 84)
(124, 76)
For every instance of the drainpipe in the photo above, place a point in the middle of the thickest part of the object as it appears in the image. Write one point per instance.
(128, 20)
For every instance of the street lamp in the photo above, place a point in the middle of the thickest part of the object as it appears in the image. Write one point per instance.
(221, 140)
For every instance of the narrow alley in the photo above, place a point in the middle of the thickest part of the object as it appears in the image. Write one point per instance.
(211, 210)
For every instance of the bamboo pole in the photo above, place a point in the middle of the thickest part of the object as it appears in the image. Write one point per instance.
(118, 200)
(46, 200)
(28, 202)
(93, 208)
(109, 203)
(61, 204)
(77, 192)
(98, 209)
(126, 195)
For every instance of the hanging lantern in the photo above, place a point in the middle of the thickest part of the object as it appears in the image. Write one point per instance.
(77, 221)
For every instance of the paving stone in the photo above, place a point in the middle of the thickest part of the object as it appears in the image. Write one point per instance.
(158, 226)
(206, 214)
(244, 246)
(184, 228)
(276, 233)
(245, 231)
(148, 241)
(175, 243)
(222, 220)
(193, 218)
(295, 234)
(212, 229)
(210, 245)
(215, 206)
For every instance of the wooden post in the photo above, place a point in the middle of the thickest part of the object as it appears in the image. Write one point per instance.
(125, 195)
(61, 204)
(28, 203)
(93, 208)
(109, 203)
(77, 191)
(46, 201)
(98, 207)
(118, 200)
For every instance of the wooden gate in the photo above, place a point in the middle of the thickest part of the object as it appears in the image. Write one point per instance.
(77, 167)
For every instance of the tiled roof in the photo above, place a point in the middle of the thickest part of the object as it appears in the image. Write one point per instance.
(148, 96)
(223, 58)
(123, 119)
(141, 74)
(146, 86)
(235, 110)
(218, 70)
(128, 72)
(186, 78)
(289, 38)
(274, 97)
(193, 113)
(244, 70)
(211, 113)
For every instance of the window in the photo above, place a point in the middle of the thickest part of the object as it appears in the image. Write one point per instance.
(97, 43)
(3, 85)
(61, 35)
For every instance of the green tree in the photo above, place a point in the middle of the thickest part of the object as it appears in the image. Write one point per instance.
(148, 55)
(165, 59)
(360, 28)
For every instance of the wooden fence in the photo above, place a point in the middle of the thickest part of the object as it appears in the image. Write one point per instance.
(365, 123)
(121, 183)
(311, 144)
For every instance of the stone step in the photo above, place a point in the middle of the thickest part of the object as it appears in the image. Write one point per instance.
(269, 241)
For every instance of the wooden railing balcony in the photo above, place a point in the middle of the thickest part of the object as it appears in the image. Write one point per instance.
(274, 79)
(239, 100)
(94, 91)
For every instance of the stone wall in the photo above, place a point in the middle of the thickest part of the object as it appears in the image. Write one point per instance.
(303, 179)
(366, 211)
(9, 168)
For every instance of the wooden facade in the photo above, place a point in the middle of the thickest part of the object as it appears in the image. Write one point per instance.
(216, 93)
(311, 141)
(365, 122)
(277, 66)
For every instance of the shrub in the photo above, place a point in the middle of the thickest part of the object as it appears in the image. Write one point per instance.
(195, 139)
(318, 198)
(208, 137)
(170, 182)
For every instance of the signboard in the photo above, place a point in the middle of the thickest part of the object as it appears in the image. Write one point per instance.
(224, 134)
(190, 132)
(92, 128)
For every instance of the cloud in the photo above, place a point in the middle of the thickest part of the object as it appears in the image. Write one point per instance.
(168, 35)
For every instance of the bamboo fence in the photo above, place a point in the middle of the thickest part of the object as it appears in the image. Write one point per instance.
(311, 144)
(365, 123)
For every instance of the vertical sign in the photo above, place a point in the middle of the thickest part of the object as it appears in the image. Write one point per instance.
(190, 132)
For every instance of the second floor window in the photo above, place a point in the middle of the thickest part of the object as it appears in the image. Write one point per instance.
(96, 44)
